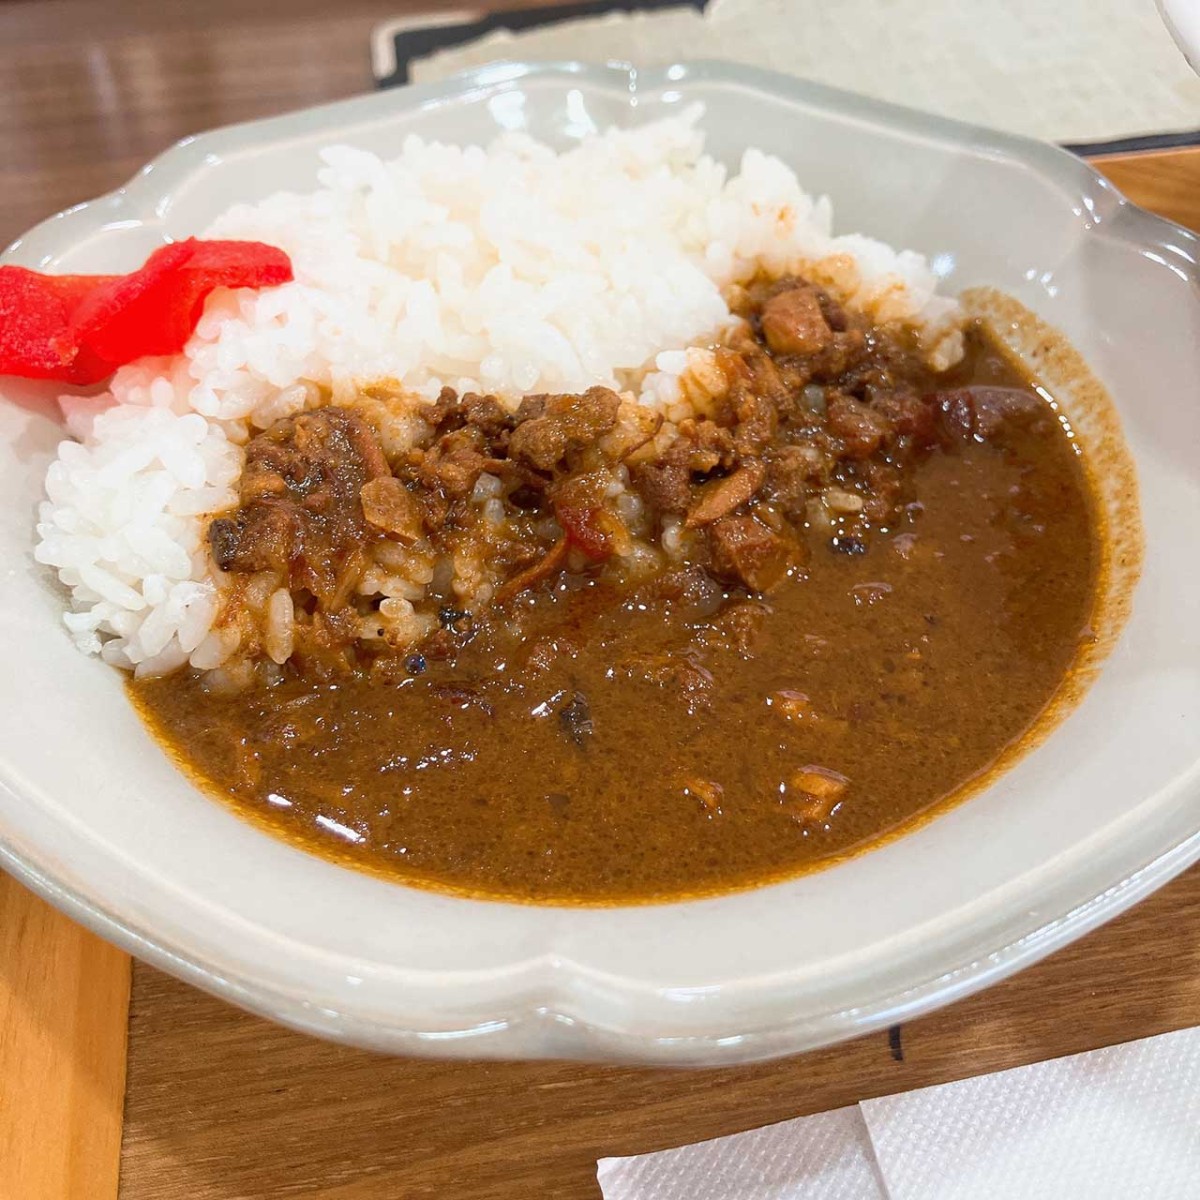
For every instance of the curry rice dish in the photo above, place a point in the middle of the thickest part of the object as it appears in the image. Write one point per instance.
(868, 582)
(634, 640)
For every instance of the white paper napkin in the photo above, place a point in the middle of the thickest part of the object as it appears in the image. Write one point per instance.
(1122, 1123)
(1119, 1123)
(1067, 70)
(823, 1157)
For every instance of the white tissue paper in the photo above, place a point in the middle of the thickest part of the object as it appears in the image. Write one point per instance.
(823, 1157)
(1122, 1123)
(1069, 70)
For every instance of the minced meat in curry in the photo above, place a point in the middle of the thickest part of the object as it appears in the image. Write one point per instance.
(702, 656)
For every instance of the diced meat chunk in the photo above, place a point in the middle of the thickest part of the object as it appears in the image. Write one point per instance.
(549, 564)
(567, 424)
(844, 351)
(820, 782)
(300, 514)
(693, 593)
(794, 705)
(681, 672)
(756, 424)
(746, 552)
(257, 538)
(738, 627)
(793, 323)
(814, 793)
(636, 424)
(745, 363)
(487, 415)
(794, 472)
(453, 465)
(389, 505)
(722, 496)
(484, 414)
(982, 412)
(666, 483)
(707, 791)
(708, 445)
(860, 428)
(907, 414)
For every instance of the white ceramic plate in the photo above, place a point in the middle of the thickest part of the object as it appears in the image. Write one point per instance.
(94, 817)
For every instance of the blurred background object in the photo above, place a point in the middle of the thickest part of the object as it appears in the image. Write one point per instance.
(1076, 71)
(1183, 20)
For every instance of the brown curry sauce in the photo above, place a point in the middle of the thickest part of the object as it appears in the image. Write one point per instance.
(617, 745)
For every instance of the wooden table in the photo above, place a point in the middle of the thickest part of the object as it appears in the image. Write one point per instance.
(219, 1105)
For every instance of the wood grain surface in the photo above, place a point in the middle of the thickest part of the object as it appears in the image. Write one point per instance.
(1165, 181)
(64, 999)
(223, 1106)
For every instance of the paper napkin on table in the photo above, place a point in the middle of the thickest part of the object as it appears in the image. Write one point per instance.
(1122, 1123)
(824, 1157)
(1077, 71)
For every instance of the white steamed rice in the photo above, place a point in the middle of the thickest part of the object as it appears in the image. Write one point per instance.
(509, 270)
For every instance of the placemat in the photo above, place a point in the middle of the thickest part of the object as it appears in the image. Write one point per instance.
(1095, 74)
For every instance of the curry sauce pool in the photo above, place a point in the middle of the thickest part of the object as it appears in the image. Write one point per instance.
(614, 740)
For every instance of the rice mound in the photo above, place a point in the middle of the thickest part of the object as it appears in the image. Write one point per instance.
(508, 270)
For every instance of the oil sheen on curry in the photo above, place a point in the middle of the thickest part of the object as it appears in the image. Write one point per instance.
(716, 653)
